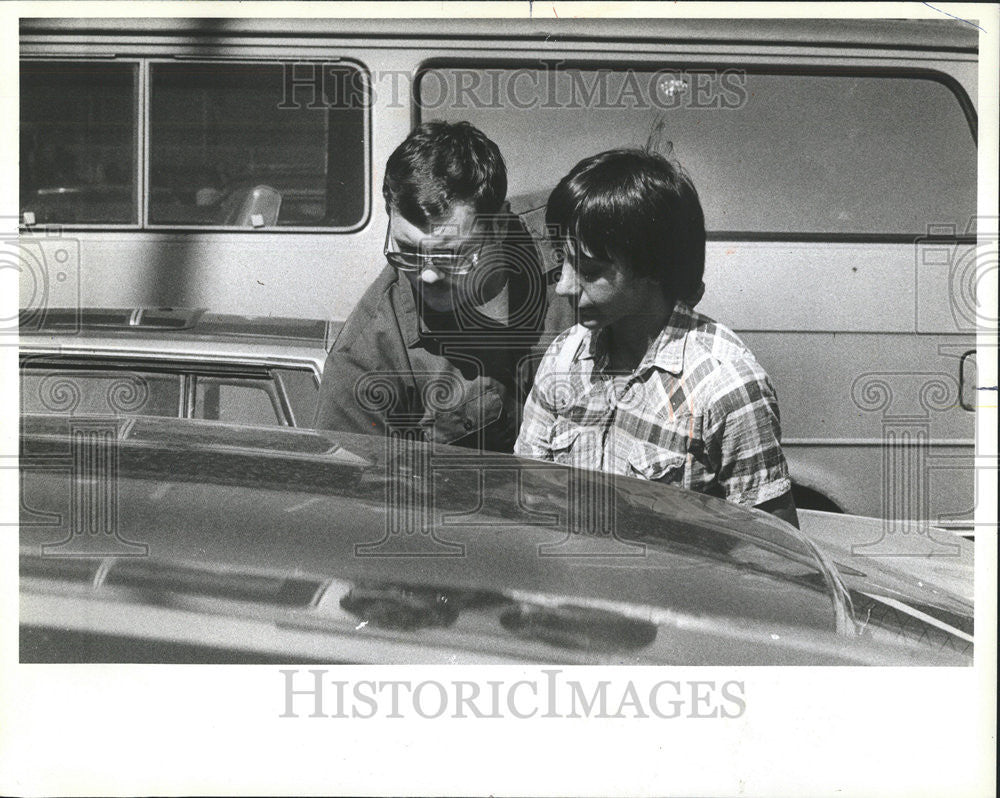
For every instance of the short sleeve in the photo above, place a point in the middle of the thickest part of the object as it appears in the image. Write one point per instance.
(743, 436)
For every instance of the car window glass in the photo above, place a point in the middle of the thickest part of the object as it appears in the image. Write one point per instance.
(219, 132)
(769, 153)
(78, 142)
(96, 392)
(302, 390)
(251, 402)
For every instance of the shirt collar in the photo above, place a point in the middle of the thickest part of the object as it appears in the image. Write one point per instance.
(665, 353)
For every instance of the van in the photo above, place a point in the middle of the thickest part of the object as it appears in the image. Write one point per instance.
(235, 164)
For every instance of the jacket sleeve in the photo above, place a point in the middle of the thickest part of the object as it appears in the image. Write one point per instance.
(338, 407)
(362, 381)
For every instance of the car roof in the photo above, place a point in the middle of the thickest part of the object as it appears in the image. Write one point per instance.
(303, 500)
(173, 321)
(183, 331)
(933, 34)
(289, 523)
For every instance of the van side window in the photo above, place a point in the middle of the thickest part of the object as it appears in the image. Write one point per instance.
(230, 144)
(78, 142)
(770, 153)
(219, 130)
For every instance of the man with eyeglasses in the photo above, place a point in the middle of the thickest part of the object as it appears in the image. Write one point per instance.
(440, 346)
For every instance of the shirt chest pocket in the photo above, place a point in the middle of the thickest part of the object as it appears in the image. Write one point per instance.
(565, 436)
(656, 464)
(477, 410)
(579, 445)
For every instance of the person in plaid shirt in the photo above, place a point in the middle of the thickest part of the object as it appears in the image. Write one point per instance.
(643, 385)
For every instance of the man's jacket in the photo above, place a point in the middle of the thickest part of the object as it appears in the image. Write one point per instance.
(463, 383)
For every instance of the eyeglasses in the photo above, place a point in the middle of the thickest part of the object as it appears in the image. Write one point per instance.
(448, 261)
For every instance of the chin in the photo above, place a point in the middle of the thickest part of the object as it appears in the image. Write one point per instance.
(439, 301)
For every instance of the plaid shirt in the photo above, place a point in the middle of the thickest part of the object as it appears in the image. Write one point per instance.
(698, 412)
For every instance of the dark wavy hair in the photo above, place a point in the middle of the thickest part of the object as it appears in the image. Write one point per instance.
(638, 208)
(442, 164)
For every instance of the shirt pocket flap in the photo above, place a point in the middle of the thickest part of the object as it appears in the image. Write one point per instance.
(656, 464)
(564, 436)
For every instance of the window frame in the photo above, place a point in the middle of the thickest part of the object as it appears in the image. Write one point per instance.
(87, 366)
(269, 384)
(186, 370)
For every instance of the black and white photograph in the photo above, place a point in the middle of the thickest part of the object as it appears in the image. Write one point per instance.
(588, 383)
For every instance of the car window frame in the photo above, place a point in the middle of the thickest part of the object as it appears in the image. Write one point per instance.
(187, 370)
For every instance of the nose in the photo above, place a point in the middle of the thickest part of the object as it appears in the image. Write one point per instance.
(568, 284)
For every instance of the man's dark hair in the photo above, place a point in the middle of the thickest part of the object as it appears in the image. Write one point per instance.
(442, 164)
(636, 207)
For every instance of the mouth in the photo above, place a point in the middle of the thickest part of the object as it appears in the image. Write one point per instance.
(440, 287)
(588, 317)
